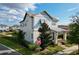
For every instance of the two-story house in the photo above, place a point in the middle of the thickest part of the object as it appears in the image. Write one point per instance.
(30, 24)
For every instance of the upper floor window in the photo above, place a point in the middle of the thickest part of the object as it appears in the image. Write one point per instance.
(32, 35)
(26, 20)
(25, 24)
(21, 25)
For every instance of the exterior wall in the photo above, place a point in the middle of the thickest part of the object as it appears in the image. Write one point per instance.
(55, 37)
(65, 36)
(35, 35)
(26, 27)
(43, 18)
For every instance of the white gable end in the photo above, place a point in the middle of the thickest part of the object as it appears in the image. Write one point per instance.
(43, 18)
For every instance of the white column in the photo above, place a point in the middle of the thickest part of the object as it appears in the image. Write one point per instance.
(65, 36)
(55, 37)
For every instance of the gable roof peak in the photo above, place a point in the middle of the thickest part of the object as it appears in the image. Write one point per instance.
(51, 17)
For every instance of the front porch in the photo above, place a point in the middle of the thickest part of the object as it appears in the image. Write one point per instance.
(55, 35)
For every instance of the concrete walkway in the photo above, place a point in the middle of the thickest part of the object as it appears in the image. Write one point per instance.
(67, 50)
(4, 50)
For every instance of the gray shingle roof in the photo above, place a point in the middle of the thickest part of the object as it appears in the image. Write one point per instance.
(58, 29)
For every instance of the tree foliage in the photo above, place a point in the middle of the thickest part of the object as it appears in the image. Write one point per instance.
(45, 34)
(75, 19)
(74, 33)
(20, 38)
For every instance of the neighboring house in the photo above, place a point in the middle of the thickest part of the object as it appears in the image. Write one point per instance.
(30, 24)
(3, 27)
(15, 27)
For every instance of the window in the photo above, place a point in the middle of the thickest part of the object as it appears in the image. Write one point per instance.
(25, 33)
(26, 20)
(25, 24)
(21, 25)
(32, 35)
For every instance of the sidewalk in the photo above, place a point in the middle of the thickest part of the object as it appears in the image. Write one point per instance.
(67, 50)
(4, 50)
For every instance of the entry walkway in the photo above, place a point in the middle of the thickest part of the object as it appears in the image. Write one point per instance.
(67, 50)
(4, 50)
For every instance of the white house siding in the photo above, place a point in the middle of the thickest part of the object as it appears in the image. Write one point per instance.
(36, 20)
(35, 35)
(43, 18)
(31, 28)
(55, 37)
(26, 27)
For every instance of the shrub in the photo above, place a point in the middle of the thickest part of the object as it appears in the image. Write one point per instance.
(33, 46)
(19, 38)
(51, 50)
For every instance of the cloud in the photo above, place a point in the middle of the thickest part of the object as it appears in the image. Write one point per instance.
(14, 12)
(72, 9)
(29, 6)
(64, 22)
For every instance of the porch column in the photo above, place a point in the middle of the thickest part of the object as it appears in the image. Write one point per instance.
(65, 36)
(55, 37)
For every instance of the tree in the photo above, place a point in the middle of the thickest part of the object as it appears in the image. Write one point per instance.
(20, 38)
(45, 34)
(75, 19)
(74, 31)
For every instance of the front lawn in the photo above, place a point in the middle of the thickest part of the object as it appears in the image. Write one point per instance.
(8, 41)
(74, 53)
(69, 45)
(11, 42)
(50, 50)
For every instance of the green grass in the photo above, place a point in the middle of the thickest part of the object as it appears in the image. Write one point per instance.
(74, 53)
(69, 45)
(10, 43)
(50, 50)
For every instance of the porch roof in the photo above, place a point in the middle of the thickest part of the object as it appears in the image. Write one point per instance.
(58, 29)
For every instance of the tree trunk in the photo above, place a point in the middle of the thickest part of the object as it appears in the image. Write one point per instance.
(78, 48)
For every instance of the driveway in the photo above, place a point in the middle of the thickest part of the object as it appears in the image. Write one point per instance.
(67, 50)
(4, 50)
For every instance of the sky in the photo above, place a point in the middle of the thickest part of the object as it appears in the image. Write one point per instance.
(13, 13)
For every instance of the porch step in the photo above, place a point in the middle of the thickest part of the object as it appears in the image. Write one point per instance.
(63, 46)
